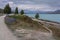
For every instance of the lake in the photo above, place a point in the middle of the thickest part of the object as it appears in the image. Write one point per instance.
(51, 17)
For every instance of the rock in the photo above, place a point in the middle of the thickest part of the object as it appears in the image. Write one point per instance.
(9, 20)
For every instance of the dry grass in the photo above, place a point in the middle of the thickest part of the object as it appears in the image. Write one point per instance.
(23, 21)
(55, 30)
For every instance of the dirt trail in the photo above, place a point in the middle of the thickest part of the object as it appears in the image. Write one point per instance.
(5, 33)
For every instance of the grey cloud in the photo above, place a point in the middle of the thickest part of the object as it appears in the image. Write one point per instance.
(54, 4)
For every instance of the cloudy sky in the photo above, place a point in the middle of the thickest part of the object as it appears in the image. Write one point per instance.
(43, 5)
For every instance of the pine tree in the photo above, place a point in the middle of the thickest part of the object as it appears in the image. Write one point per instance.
(37, 16)
(22, 12)
(7, 9)
(16, 10)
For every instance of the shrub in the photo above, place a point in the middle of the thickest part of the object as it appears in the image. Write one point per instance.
(9, 20)
(22, 12)
(37, 16)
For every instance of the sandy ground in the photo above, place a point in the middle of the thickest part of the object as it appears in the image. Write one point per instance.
(25, 34)
(5, 33)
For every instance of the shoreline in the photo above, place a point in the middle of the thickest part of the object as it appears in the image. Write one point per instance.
(46, 20)
(49, 21)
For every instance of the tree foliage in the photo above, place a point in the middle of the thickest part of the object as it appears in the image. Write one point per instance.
(16, 10)
(7, 9)
(37, 16)
(22, 12)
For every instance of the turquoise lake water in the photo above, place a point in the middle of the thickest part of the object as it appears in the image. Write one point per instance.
(51, 17)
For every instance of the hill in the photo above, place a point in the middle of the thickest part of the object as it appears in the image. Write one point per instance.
(1, 10)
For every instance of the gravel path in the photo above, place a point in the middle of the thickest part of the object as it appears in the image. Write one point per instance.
(5, 33)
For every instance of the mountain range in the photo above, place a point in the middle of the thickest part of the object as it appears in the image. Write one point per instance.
(37, 11)
(43, 12)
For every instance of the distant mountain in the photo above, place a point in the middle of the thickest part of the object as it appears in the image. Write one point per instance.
(42, 12)
(57, 12)
(37, 11)
(34, 12)
(54, 12)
